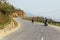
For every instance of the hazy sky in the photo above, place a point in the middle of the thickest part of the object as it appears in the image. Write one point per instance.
(49, 8)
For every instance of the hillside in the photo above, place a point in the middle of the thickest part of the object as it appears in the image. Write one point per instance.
(19, 13)
(7, 12)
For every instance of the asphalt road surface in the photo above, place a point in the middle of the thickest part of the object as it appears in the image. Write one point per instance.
(33, 31)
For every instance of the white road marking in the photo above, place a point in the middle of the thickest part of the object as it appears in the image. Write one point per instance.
(41, 30)
(42, 38)
(42, 35)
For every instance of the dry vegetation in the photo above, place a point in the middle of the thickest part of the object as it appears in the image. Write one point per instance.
(7, 12)
(40, 19)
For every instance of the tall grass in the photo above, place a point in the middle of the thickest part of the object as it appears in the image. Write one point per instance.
(4, 20)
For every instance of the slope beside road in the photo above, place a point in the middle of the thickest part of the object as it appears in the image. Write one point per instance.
(10, 28)
(33, 31)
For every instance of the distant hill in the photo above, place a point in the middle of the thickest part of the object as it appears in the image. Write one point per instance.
(28, 14)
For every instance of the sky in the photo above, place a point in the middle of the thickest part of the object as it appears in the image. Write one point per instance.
(46, 8)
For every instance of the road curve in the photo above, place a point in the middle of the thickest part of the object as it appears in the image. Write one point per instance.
(33, 31)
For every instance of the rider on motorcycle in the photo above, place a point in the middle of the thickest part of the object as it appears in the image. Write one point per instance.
(45, 22)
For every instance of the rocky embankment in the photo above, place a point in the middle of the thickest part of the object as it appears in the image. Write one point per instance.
(8, 29)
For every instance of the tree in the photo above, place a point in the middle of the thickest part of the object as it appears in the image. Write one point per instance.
(6, 8)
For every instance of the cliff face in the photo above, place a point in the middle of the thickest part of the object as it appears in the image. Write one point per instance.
(19, 13)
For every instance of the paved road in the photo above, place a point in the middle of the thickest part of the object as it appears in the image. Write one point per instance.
(33, 31)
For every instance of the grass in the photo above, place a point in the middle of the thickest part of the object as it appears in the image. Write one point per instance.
(2, 26)
(6, 22)
(56, 24)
